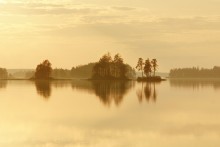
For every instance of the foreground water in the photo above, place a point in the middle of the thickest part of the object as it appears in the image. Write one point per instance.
(110, 114)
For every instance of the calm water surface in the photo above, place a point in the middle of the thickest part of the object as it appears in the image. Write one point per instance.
(183, 113)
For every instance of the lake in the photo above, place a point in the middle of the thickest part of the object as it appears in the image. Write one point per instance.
(183, 113)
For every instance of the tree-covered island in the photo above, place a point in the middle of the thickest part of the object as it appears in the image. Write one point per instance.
(108, 68)
(148, 69)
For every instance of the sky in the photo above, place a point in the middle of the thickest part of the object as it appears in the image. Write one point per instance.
(178, 33)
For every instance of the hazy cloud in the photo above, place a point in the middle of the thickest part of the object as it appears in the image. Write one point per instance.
(123, 8)
(127, 28)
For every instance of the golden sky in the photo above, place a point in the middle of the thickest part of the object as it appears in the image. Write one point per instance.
(71, 32)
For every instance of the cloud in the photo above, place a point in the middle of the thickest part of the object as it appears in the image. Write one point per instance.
(44, 9)
(123, 8)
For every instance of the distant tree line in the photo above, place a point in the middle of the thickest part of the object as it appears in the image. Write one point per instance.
(3, 73)
(111, 68)
(195, 72)
(61, 73)
(147, 67)
(82, 71)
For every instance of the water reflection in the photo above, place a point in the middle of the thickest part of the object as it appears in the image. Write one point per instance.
(147, 92)
(3, 84)
(111, 91)
(107, 92)
(43, 88)
(61, 84)
(195, 84)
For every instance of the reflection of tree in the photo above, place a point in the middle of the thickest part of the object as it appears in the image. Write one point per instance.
(61, 83)
(3, 84)
(107, 91)
(43, 88)
(147, 91)
(195, 83)
(111, 91)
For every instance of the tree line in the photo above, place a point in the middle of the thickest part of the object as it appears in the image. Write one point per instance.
(195, 72)
(106, 68)
(147, 67)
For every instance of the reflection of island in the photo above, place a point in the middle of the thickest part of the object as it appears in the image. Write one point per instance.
(3, 83)
(61, 83)
(147, 91)
(195, 83)
(107, 91)
(43, 88)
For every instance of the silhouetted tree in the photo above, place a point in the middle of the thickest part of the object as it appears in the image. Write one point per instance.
(140, 65)
(3, 73)
(147, 68)
(118, 63)
(107, 68)
(154, 65)
(43, 70)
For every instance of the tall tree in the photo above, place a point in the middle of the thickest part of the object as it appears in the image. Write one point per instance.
(3, 73)
(43, 70)
(154, 65)
(118, 66)
(147, 68)
(105, 62)
(140, 65)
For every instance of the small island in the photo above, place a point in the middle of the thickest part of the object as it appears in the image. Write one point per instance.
(111, 69)
(147, 68)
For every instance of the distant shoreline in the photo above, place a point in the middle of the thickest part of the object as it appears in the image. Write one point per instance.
(36, 79)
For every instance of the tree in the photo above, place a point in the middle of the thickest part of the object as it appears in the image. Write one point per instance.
(147, 68)
(118, 66)
(3, 73)
(107, 68)
(154, 65)
(139, 66)
(43, 70)
(105, 62)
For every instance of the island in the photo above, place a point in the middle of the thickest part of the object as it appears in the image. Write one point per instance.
(147, 68)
